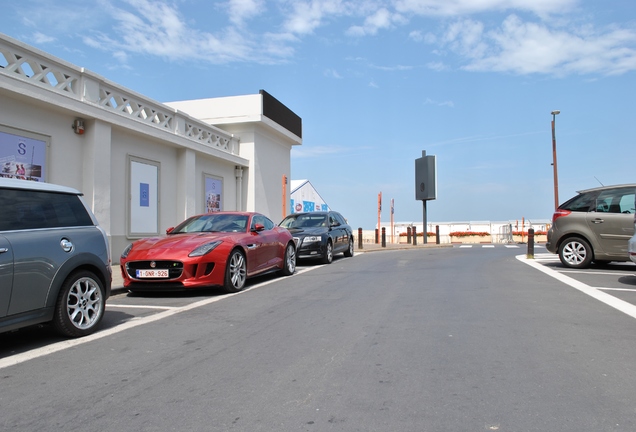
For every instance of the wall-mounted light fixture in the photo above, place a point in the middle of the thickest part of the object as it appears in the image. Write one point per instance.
(78, 126)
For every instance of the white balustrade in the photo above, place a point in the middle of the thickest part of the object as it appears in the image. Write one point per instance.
(41, 69)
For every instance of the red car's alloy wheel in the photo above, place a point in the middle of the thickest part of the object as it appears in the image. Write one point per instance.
(235, 272)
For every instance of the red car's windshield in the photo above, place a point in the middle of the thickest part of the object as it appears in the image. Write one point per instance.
(213, 223)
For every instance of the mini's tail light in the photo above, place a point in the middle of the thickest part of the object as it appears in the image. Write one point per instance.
(558, 213)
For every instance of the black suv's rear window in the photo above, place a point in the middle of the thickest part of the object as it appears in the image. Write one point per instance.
(24, 209)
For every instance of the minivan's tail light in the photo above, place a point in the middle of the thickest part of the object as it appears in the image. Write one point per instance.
(558, 213)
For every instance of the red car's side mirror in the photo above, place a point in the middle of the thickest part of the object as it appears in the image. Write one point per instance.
(169, 230)
(259, 227)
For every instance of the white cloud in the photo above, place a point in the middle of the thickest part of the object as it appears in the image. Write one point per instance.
(437, 66)
(159, 29)
(392, 68)
(454, 8)
(306, 16)
(529, 47)
(465, 36)
(380, 19)
(429, 101)
(332, 73)
(240, 11)
(41, 38)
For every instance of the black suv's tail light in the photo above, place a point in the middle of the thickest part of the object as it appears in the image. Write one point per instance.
(558, 213)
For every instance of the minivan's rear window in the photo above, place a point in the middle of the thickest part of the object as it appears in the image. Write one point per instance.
(25, 209)
(580, 203)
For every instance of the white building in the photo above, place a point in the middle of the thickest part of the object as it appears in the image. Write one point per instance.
(305, 198)
(143, 166)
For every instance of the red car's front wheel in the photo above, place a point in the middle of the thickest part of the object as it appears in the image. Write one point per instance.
(235, 272)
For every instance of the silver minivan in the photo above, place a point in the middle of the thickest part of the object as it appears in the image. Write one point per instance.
(54, 259)
(594, 226)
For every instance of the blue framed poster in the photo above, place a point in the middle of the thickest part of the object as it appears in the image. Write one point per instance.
(144, 197)
(22, 155)
(213, 194)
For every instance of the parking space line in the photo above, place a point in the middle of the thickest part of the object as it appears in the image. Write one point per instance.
(111, 305)
(608, 299)
(617, 289)
(592, 272)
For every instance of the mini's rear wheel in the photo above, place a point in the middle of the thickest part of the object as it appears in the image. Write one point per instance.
(576, 253)
(80, 304)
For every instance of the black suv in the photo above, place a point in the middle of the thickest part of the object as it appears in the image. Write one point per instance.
(54, 259)
(594, 226)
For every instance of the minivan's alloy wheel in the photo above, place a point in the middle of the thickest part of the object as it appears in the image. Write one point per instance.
(328, 256)
(289, 261)
(235, 272)
(575, 253)
(80, 304)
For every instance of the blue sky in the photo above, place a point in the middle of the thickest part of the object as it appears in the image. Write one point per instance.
(472, 82)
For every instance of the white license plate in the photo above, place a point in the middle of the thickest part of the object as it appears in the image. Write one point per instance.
(152, 273)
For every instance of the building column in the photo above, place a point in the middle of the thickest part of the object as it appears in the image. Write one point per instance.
(96, 174)
(186, 184)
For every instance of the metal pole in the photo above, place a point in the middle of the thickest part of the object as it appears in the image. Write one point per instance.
(425, 229)
(554, 160)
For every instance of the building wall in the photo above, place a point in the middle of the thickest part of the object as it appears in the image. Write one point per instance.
(266, 144)
(121, 126)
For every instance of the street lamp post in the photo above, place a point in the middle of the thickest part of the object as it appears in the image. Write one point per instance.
(554, 161)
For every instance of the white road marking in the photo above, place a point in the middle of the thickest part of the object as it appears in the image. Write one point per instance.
(593, 272)
(135, 322)
(114, 305)
(617, 289)
(610, 300)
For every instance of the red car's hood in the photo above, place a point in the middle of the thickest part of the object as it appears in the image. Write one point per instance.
(174, 245)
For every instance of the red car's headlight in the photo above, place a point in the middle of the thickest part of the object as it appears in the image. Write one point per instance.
(204, 249)
(126, 251)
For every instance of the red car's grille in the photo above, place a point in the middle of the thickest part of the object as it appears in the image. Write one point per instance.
(175, 268)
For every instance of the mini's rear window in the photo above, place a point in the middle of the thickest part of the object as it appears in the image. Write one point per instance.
(25, 209)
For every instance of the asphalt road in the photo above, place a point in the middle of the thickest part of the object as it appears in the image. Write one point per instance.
(419, 340)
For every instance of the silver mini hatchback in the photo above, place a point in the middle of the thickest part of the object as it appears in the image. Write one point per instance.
(54, 259)
(594, 226)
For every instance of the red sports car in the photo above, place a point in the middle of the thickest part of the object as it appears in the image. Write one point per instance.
(214, 249)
